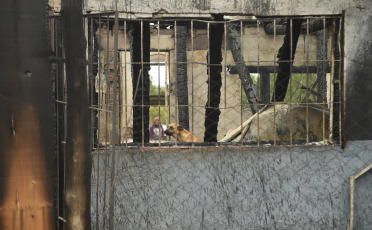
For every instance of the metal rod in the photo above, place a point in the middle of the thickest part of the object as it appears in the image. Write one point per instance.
(225, 61)
(325, 89)
(106, 117)
(91, 80)
(176, 63)
(142, 89)
(340, 79)
(290, 84)
(125, 83)
(274, 81)
(113, 137)
(241, 92)
(307, 79)
(98, 122)
(192, 78)
(258, 71)
(209, 65)
(161, 128)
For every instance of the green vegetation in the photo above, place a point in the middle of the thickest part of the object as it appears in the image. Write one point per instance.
(294, 94)
(156, 111)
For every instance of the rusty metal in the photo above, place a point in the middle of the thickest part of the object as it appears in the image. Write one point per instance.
(352, 193)
(158, 35)
(340, 78)
(307, 80)
(192, 78)
(142, 88)
(274, 81)
(114, 109)
(225, 61)
(258, 71)
(107, 95)
(125, 83)
(99, 116)
(176, 62)
(255, 62)
(241, 93)
(326, 88)
(209, 64)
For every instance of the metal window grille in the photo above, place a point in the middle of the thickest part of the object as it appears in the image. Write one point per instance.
(217, 78)
(250, 82)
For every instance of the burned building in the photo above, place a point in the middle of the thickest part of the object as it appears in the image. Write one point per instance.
(277, 91)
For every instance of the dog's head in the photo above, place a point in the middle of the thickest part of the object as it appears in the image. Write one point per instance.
(173, 129)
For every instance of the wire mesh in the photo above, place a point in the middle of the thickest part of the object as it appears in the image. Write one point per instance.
(227, 97)
(220, 95)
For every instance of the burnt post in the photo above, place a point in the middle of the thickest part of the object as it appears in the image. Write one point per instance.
(264, 87)
(181, 76)
(140, 55)
(233, 36)
(212, 111)
(286, 56)
(27, 143)
(322, 65)
(78, 159)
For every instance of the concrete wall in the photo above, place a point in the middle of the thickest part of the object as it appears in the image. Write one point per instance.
(358, 69)
(203, 8)
(236, 188)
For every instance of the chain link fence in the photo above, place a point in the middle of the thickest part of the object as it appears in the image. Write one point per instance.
(230, 188)
(242, 88)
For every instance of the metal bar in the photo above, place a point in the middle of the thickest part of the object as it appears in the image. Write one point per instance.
(307, 79)
(352, 192)
(274, 82)
(99, 117)
(192, 79)
(106, 117)
(340, 89)
(161, 133)
(325, 88)
(209, 64)
(352, 189)
(225, 61)
(258, 71)
(142, 89)
(91, 80)
(241, 92)
(290, 84)
(175, 63)
(113, 137)
(125, 84)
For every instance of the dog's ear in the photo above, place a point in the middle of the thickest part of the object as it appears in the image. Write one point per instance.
(180, 128)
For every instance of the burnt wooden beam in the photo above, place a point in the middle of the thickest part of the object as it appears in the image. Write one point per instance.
(212, 111)
(27, 124)
(181, 75)
(286, 56)
(337, 50)
(140, 55)
(233, 37)
(322, 65)
(264, 87)
(78, 159)
(61, 125)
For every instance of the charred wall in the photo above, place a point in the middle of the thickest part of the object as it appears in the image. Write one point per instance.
(358, 69)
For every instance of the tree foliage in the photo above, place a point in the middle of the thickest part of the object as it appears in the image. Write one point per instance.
(294, 94)
(157, 111)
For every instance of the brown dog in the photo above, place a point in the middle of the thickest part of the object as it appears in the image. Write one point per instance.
(181, 134)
